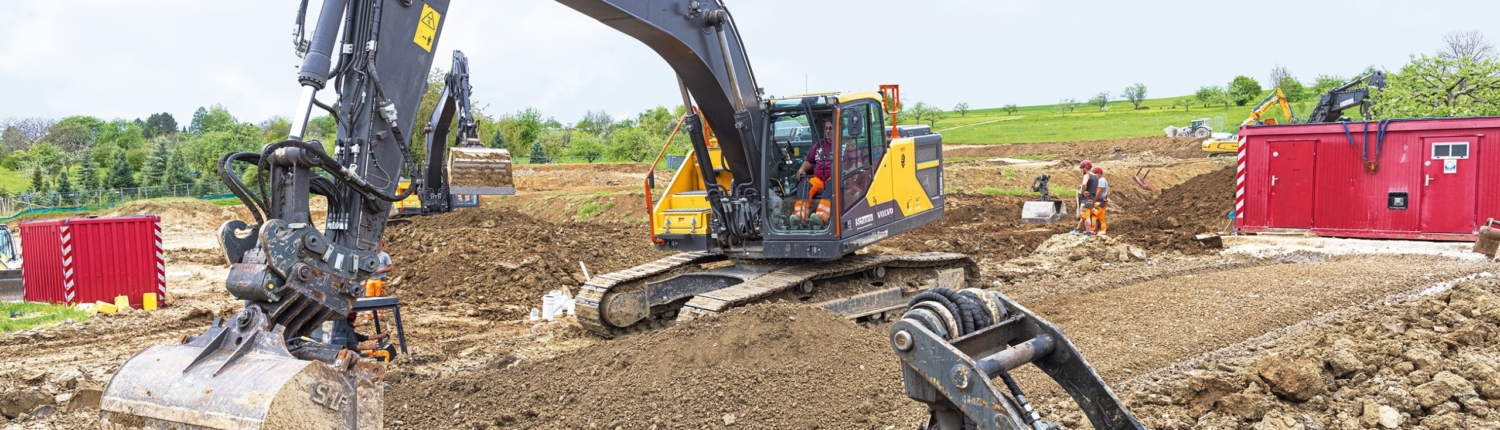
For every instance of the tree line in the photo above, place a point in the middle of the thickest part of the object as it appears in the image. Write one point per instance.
(1461, 79)
(82, 153)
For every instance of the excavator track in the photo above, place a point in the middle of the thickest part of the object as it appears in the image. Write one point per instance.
(952, 270)
(592, 293)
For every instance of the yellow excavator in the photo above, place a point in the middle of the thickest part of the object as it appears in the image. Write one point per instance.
(1232, 146)
(775, 199)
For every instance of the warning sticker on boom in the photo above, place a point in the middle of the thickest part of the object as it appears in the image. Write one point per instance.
(427, 27)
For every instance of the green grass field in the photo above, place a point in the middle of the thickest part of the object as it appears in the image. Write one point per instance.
(15, 181)
(23, 316)
(1030, 124)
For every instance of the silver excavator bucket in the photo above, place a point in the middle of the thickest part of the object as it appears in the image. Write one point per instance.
(474, 170)
(239, 376)
(1045, 210)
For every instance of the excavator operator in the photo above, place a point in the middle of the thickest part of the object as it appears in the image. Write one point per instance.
(820, 161)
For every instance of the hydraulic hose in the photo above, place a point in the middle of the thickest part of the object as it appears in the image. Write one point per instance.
(237, 187)
(327, 163)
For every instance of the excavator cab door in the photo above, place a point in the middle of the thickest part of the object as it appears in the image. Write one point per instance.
(11, 287)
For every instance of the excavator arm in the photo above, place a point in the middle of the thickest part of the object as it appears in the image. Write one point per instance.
(472, 169)
(1331, 105)
(701, 43)
(1276, 97)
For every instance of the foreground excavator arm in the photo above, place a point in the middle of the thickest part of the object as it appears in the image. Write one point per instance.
(953, 345)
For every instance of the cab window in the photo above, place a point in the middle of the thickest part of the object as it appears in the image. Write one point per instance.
(861, 145)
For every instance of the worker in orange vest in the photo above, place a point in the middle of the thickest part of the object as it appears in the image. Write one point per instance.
(375, 286)
(1101, 201)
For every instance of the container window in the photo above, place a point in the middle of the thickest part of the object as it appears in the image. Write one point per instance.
(1452, 150)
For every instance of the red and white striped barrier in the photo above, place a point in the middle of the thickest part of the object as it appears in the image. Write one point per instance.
(1239, 187)
(69, 292)
(161, 267)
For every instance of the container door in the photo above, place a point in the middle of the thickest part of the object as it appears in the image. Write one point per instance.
(1290, 201)
(1449, 179)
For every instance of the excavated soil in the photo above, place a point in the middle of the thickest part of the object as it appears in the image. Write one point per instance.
(583, 177)
(1173, 220)
(51, 377)
(984, 226)
(1426, 362)
(1185, 336)
(502, 261)
(763, 366)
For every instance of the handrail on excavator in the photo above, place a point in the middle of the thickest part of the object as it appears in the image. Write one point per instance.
(892, 101)
(651, 179)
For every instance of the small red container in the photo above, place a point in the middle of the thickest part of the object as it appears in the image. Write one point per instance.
(84, 260)
(1433, 179)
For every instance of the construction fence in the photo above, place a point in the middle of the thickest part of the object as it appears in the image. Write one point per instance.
(53, 202)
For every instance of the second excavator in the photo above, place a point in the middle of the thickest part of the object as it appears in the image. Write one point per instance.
(777, 194)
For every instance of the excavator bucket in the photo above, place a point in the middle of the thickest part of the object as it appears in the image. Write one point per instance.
(237, 376)
(1044, 212)
(479, 171)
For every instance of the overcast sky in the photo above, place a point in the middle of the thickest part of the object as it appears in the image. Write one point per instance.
(128, 59)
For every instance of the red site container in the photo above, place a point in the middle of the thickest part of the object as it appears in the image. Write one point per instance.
(1433, 179)
(84, 260)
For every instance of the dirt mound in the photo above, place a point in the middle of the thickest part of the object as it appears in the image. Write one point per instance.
(584, 177)
(1171, 221)
(182, 214)
(763, 366)
(983, 226)
(1070, 254)
(1429, 362)
(503, 261)
(1093, 149)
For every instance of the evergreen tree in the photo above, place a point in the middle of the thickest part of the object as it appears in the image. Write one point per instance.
(121, 175)
(88, 177)
(155, 170)
(538, 153)
(38, 181)
(196, 127)
(498, 142)
(65, 189)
